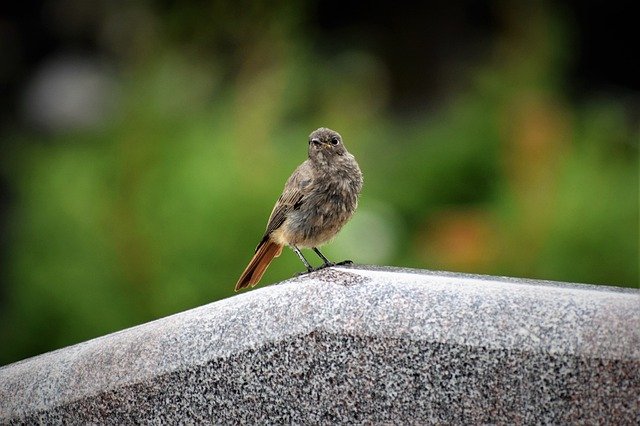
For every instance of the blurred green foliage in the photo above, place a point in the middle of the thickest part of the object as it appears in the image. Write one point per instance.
(159, 209)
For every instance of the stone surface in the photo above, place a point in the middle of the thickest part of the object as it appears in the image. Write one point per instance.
(354, 345)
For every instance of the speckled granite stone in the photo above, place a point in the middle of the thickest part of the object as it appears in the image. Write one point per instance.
(354, 345)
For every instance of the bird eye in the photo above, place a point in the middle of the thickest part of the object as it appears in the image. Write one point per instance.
(335, 141)
(314, 141)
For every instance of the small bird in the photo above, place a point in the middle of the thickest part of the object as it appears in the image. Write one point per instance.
(318, 199)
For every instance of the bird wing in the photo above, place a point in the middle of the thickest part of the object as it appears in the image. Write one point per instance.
(293, 196)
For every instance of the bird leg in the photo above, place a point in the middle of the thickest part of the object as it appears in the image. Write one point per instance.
(302, 258)
(326, 261)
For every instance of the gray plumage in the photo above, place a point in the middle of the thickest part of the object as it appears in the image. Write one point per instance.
(318, 199)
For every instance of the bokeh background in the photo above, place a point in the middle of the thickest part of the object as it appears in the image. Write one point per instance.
(143, 144)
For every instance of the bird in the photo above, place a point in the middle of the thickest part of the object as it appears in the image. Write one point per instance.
(318, 199)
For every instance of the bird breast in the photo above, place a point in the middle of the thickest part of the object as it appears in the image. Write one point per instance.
(329, 204)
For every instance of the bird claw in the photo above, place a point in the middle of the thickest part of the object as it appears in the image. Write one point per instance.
(308, 271)
(325, 265)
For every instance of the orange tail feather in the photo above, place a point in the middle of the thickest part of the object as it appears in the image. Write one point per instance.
(265, 253)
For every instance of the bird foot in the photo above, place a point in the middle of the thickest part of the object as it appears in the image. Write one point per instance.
(308, 271)
(330, 264)
(325, 265)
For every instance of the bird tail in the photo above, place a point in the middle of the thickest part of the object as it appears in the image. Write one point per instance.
(266, 251)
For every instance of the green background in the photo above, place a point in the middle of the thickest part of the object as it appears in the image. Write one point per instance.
(157, 208)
